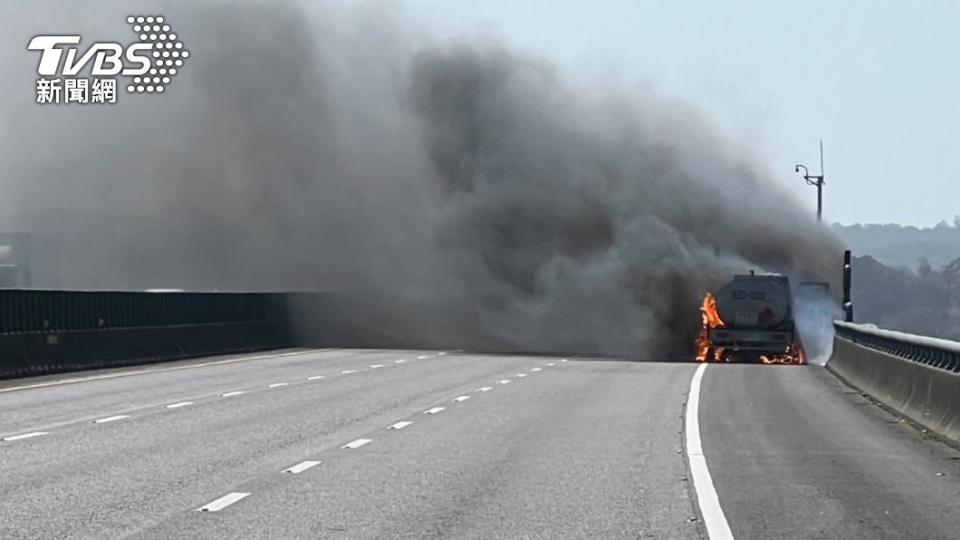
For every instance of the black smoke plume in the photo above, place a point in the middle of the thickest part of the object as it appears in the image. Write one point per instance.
(452, 193)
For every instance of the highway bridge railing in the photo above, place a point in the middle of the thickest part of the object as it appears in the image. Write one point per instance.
(46, 331)
(917, 376)
(941, 353)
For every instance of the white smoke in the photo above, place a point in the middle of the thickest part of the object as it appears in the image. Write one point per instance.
(814, 312)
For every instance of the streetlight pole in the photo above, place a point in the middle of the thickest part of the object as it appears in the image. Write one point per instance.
(815, 180)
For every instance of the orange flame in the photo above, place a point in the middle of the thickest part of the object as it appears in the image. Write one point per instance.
(711, 319)
(793, 355)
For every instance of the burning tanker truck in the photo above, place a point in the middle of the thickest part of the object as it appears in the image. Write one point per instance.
(751, 320)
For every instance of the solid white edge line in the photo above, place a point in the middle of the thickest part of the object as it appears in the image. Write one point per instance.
(22, 436)
(178, 405)
(434, 410)
(713, 517)
(400, 425)
(111, 419)
(353, 445)
(223, 502)
(302, 466)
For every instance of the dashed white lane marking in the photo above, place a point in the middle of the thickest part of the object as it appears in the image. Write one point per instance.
(353, 445)
(422, 357)
(551, 364)
(434, 410)
(375, 366)
(400, 425)
(536, 369)
(348, 371)
(441, 354)
(24, 436)
(400, 361)
(154, 370)
(713, 517)
(178, 405)
(503, 381)
(111, 419)
(235, 393)
(458, 399)
(223, 502)
(563, 359)
(315, 378)
(484, 389)
(300, 467)
(277, 385)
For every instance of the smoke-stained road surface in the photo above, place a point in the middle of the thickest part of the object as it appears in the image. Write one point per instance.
(424, 444)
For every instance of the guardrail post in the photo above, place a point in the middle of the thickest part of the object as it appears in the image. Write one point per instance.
(847, 282)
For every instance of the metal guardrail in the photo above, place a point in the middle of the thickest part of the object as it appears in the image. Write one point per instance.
(45, 331)
(47, 311)
(939, 353)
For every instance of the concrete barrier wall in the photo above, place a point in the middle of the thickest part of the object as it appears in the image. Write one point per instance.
(926, 394)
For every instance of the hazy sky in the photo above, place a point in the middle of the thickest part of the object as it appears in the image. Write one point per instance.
(877, 80)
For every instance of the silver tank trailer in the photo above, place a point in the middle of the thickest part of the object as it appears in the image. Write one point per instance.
(757, 316)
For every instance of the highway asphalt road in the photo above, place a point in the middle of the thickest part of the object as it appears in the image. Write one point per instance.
(428, 444)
